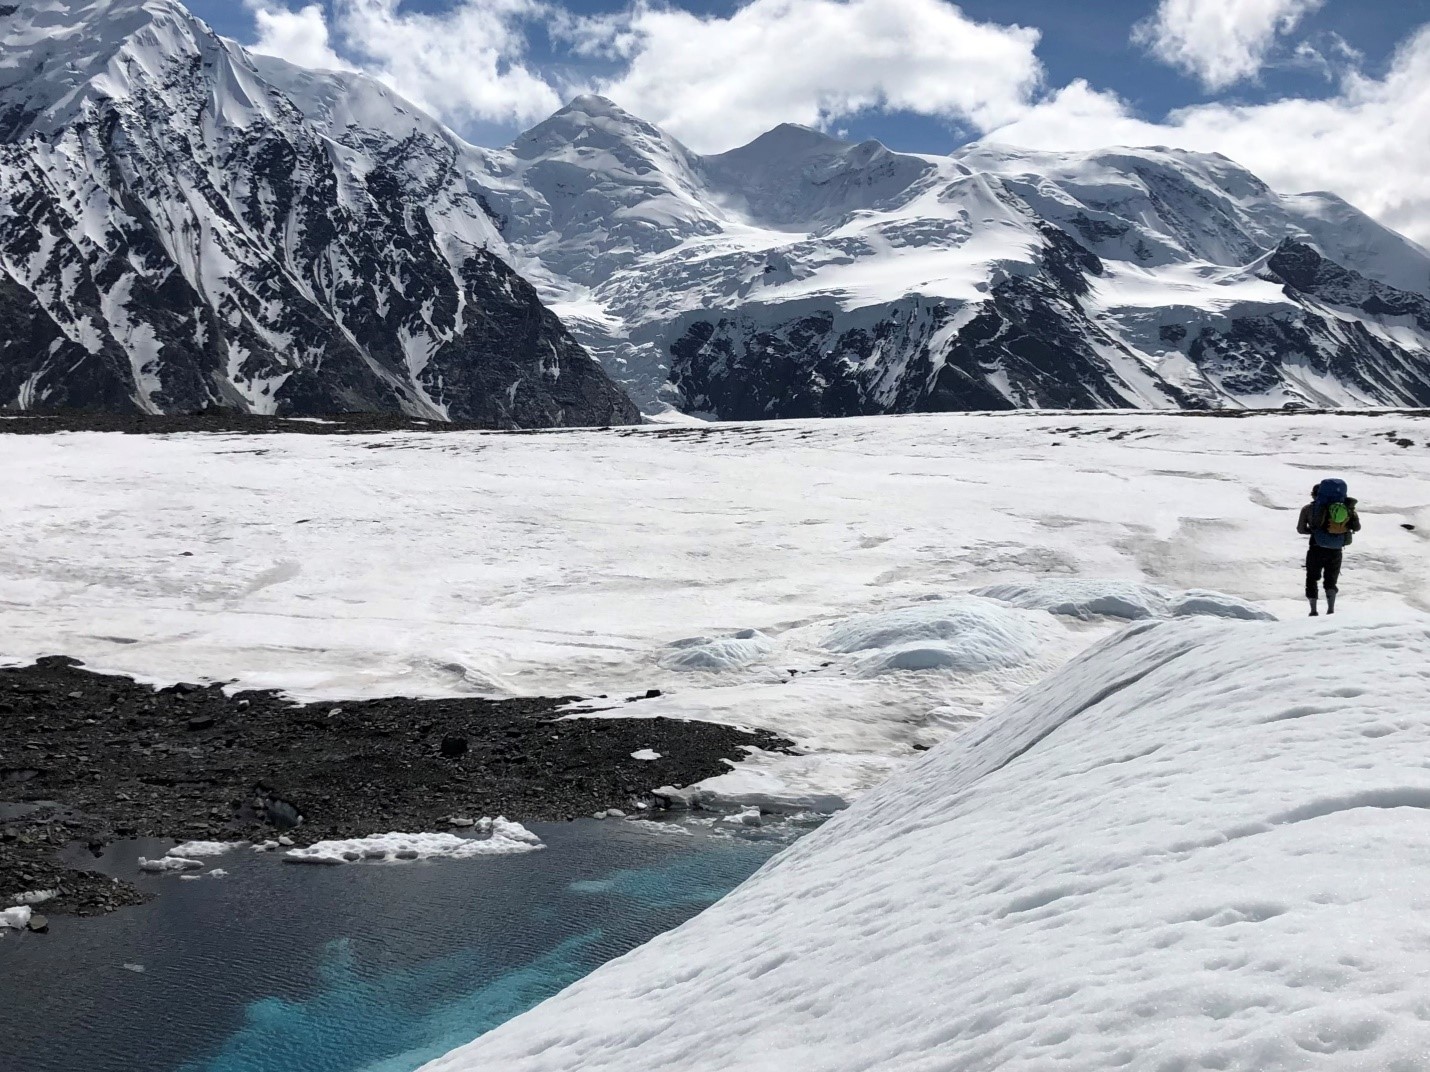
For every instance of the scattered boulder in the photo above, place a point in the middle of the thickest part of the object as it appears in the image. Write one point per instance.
(453, 747)
(38, 924)
(201, 722)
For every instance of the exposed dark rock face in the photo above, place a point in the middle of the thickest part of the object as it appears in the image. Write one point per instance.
(180, 235)
(1031, 344)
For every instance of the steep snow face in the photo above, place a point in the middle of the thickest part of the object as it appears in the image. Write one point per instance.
(803, 276)
(187, 226)
(1202, 845)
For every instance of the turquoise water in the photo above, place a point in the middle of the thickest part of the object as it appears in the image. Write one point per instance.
(363, 968)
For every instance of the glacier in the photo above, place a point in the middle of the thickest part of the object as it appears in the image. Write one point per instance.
(866, 588)
(1200, 845)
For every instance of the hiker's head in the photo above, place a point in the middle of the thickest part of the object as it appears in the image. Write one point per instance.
(1315, 490)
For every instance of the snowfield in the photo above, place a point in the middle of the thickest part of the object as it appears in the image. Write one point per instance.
(1203, 845)
(865, 587)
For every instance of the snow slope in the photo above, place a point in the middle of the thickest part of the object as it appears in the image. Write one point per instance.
(707, 562)
(1202, 845)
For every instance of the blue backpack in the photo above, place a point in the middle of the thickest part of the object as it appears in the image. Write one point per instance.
(1330, 515)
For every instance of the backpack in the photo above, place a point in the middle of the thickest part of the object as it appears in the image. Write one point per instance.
(1331, 515)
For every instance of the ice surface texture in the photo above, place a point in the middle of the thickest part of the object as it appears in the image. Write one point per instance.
(568, 565)
(1191, 848)
(968, 635)
(1128, 600)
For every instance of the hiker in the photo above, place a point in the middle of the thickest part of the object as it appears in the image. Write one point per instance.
(1330, 519)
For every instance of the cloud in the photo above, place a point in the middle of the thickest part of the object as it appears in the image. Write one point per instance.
(1220, 42)
(718, 81)
(467, 63)
(1366, 143)
(299, 37)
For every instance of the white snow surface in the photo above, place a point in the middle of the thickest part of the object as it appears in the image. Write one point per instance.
(501, 837)
(1201, 845)
(648, 755)
(568, 564)
(15, 919)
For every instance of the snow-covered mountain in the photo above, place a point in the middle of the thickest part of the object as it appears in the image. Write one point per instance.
(802, 276)
(185, 224)
(176, 233)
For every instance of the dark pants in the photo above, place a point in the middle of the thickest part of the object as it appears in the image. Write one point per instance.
(1319, 561)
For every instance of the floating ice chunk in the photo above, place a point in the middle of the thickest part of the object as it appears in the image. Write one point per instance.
(16, 919)
(719, 653)
(1084, 599)
(169, 864)
(1198, 602)
(265, 846)
(502, 837)
(137, 969)
(968, 635)
(748, 817)
(646, 754)
(202, 848)
(218, 872)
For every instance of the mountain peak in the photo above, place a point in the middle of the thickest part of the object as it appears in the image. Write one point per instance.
(786, 140)
(594, 123)
(594, 105)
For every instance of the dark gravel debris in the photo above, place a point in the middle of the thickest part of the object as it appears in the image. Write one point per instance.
(92, 758)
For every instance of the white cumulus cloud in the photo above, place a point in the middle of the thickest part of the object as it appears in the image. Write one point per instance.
(465, 63)
(718, 81)
(1366, 143)
(1221, 42)
(299, 37)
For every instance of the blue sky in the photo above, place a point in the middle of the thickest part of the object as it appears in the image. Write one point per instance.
(1091, 41)
(1310, 94)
